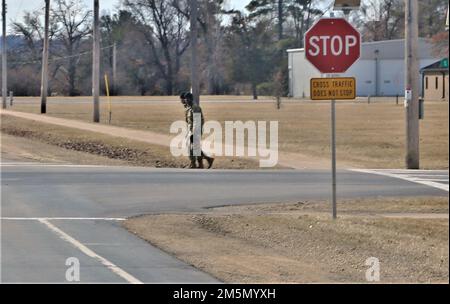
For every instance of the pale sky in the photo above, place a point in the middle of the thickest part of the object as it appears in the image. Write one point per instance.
(15, 8)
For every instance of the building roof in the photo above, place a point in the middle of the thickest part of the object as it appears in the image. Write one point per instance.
(388, 49)
(438, 66)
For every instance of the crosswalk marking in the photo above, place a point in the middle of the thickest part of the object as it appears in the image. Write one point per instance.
(432, 178)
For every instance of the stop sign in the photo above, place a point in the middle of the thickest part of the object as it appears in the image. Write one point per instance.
(332, 45)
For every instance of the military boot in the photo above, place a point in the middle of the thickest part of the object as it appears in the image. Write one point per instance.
(200, 163)
(210, 161)
(193, 165)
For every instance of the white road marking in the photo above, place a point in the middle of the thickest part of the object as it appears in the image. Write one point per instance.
(409, 171)
(431, 175)
(117, 270)
(62, 219)
(47, 165)
(438, 180)
(408, 175)
(101, 244)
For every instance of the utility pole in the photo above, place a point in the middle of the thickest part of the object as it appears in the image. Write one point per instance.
(44, 78)
(96, 63)
(4, 65)
(280, 20)
(114, 69)
(412, 84)
(194, 67)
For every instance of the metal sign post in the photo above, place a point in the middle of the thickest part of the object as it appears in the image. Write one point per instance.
(342, 88)
(333, 156)
(333, 45)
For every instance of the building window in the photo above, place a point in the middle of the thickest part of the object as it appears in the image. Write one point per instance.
(426, 82)
(437, 83)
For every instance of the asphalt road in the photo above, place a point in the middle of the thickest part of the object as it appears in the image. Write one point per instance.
(53, 212)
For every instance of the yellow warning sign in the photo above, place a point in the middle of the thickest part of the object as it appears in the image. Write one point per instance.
(333, 88)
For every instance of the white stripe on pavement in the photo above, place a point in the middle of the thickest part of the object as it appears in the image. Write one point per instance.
(117, 270)
(62, 219)
(438, 180)
(402, 174)
(409, 171)
(47, 165)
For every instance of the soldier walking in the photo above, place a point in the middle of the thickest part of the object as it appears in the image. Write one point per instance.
(190, 109)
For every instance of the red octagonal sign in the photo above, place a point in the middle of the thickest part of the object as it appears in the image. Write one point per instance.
(332, 45)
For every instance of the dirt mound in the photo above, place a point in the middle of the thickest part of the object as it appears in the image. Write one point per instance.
(119, 152)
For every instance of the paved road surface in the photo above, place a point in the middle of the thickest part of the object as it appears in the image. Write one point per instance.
(54, 212)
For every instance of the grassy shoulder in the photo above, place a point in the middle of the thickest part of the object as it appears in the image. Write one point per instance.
(20, 149)
(369, 135)
(300, 243)
(99, 148)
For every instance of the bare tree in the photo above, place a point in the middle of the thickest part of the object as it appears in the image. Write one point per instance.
(440, 44)
(275, 9)
(73, 23)
(249, 49)
(212, 33)
(302, 13)
(382, 20)
(31, 30)
(432, 17)
(165, 32)
(116, 29)
(210, 21)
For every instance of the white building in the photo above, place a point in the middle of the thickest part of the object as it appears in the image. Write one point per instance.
(380, 71)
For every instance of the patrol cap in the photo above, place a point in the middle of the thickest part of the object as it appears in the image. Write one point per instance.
(189, 96)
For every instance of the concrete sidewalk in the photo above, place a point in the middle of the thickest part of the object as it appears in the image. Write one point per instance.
(286, 159)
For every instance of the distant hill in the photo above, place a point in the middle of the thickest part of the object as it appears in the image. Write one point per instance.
(13, 41)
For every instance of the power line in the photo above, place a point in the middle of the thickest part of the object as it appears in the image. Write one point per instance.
(58, 58)
(71, 56)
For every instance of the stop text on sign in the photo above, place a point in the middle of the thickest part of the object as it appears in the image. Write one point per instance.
(336, 45)
(332, 45)
(333, 88)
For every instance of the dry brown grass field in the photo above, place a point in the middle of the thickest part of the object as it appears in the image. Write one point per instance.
(369, 135)
(299, 242)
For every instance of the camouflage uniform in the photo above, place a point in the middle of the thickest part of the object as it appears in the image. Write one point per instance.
(189, 116)
(190, 110)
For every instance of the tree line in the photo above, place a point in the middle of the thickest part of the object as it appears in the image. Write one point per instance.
(240, 52)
